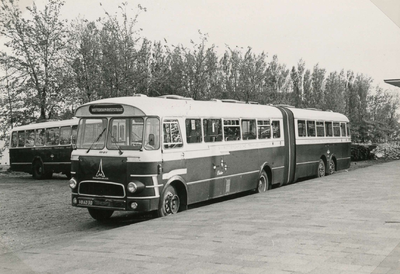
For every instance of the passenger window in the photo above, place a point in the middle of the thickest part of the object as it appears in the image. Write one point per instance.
(343, 129)
(39, 140)
(30, 138)
(301, 128)
(21, 138)
(328, 129)
(310, 128)
(336, 129)
(172, 134)
(65, 135)
(264, 129)
(52, 136)
(152, 134)
(231, 130)
(193, 131)
(320, 129)
(212, 130)
(276, 129)
(14, 139)
(249, 129)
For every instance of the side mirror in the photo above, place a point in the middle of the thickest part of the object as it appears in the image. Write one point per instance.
(151, 139)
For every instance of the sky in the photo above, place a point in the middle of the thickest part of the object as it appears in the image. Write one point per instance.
(341, 34)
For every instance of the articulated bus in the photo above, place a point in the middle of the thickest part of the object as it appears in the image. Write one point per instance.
(44, 148)
(162, 154)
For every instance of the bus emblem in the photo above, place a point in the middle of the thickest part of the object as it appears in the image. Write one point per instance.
(100, 172)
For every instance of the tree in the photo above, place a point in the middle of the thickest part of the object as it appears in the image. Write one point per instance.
(37, 45)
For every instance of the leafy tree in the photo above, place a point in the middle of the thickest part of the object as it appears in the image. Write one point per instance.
(37, 49)
(318, 87)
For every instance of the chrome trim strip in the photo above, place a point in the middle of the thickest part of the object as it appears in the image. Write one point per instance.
(305, 163)
(73, 172)
(143, 175)
(223, 177)
(279, 167)
(29, 163)
(347, 158)
(142, 198)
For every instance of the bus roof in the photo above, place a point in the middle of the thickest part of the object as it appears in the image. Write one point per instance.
(50, 124)
(313, 114)
(177, 106)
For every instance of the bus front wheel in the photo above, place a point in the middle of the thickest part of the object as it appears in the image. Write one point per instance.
(332, 167)
(321, 168)
(38, 170)
(263, 183)
(170, 202)
(100, 214)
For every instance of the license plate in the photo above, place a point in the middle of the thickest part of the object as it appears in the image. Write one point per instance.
(85, 202)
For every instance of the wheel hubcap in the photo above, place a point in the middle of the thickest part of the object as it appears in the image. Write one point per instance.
(262, 185)
(171, 204)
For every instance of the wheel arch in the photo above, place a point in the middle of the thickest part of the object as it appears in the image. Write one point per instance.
(267, 168)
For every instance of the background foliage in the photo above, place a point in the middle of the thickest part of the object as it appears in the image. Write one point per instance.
(50, 66)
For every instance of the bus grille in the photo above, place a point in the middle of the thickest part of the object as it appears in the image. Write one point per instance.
(102, 189)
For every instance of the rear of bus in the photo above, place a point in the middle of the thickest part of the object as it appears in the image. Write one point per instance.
(117, 161)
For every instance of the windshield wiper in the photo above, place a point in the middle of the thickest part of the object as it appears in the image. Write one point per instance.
(115, 143)
(98, 138)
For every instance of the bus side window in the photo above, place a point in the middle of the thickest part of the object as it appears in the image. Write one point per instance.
(301, 128)
(65, 135)
(39, 139)
(14, 139)
(193, 131)
(249, 129)
(328, 129)
(231, 130)
(264, 129)
(21, 138)
(30, 138)
(172, 134)
(212, 130)
(276, 129)
(343, 129)
(310, 128)
(74, 134)
(320, 129)
(336, 129)
(52, 136)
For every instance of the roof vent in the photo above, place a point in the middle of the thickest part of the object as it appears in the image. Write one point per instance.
(176, 97)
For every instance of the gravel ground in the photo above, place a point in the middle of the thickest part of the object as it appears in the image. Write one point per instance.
(37, 212)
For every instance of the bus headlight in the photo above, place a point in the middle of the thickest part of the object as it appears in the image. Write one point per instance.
(135, 187)
(72, 183)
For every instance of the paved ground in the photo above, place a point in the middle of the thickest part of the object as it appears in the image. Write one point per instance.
(345, 223)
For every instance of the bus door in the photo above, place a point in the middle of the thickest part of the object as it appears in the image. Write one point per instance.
(174, 160)
(290, 146)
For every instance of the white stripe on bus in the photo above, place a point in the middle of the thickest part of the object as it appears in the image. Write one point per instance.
(181, 171)
(223, 177)
(305, 163)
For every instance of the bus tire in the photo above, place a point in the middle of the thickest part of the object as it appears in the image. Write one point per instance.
(321, 168)
(100, 214)
(169, 203)
(263, 183)
(332, 166)
(38, 170)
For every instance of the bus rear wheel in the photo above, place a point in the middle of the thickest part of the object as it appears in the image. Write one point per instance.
(332, 167)
(263, 183)
(100, 214)
(321, 168)
(170, 202)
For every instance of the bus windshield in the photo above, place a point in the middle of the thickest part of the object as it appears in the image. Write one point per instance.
(123, 133)
(91, 133)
